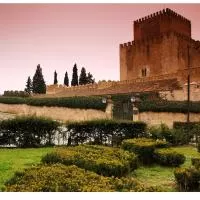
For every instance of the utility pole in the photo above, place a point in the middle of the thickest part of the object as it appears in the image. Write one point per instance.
(188, 88)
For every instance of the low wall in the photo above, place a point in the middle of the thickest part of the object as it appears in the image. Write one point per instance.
(71, 114)
(57, 113)
(156, 118)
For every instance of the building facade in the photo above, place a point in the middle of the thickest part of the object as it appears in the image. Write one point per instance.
(162, 46)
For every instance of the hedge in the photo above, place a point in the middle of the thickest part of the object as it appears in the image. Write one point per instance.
(169, 106)
(176, 136)
(144, 147)
(60, 178)
(187, 179)
(196, 162)
(16, 93)
(28, 131)
(152, 102)
(70, 102)
(102, 131)
(105, 161)
(168, 157)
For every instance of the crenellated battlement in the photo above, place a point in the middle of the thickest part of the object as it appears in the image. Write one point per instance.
(152, 40)
(165, 12)
(161, 22)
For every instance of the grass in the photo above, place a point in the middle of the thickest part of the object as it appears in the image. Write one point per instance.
(12, 160)
(156, 175)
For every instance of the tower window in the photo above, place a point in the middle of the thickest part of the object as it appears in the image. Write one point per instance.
(144, 72)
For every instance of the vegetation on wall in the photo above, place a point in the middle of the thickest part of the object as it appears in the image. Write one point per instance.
(70, 102)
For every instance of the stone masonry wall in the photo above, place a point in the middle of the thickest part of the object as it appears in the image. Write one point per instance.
(57, 113)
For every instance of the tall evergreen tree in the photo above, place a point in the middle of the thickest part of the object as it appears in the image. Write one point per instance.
(55, 78)
(83, 77)
(66, 79)
(39, 85)
(74, 81)
(28, 88)
(90, 78)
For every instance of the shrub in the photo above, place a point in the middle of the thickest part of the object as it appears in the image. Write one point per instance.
(196, 162)
(105, 161)
(60, 178)
(168, 106)
(28, 131)
(16, 93)
(70, 102)
(144, 147)
(168, 157)
(101, 131)
(174, 136)
(187, 179)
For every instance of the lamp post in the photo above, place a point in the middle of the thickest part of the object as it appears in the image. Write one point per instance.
(109, 107)
(135, 100)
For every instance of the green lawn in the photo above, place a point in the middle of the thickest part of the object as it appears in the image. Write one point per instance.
(156, 175)
(12, 160)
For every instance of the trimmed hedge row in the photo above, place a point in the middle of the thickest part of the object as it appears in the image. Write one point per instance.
(106, 161)
(150, 151)
(60, 178)
(27, 131)
(168, 157)
(16, 93)
(70, 102)
(102, 131)
(188, 179)
(169, 106)
(144, 147)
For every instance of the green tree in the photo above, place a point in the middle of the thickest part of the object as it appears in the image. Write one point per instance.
(39, 85)
(28, 88)
(83, 77)
(90, 78)
(74, 81)
(66, 79)
(55, 78)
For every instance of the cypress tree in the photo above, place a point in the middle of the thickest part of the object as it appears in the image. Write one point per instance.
(83, 77)
(90, 78)
(28, 88)
(55, 78)
(39, 85)
(74, 81)
(66, 79)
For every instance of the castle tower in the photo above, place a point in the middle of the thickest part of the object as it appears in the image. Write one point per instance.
(159, 48)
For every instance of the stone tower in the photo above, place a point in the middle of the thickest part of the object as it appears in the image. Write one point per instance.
(162, 46)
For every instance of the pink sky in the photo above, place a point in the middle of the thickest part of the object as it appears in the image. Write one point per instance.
(58, 35)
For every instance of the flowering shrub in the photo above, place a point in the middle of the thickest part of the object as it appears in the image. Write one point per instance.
(60, 178)
(168, 157)
(105, 161)
(144, 147)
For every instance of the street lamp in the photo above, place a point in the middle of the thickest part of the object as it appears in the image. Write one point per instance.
(135, 100)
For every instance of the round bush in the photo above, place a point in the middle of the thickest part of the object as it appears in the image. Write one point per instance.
(168, 157)
(60, 178)
(144, 147)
